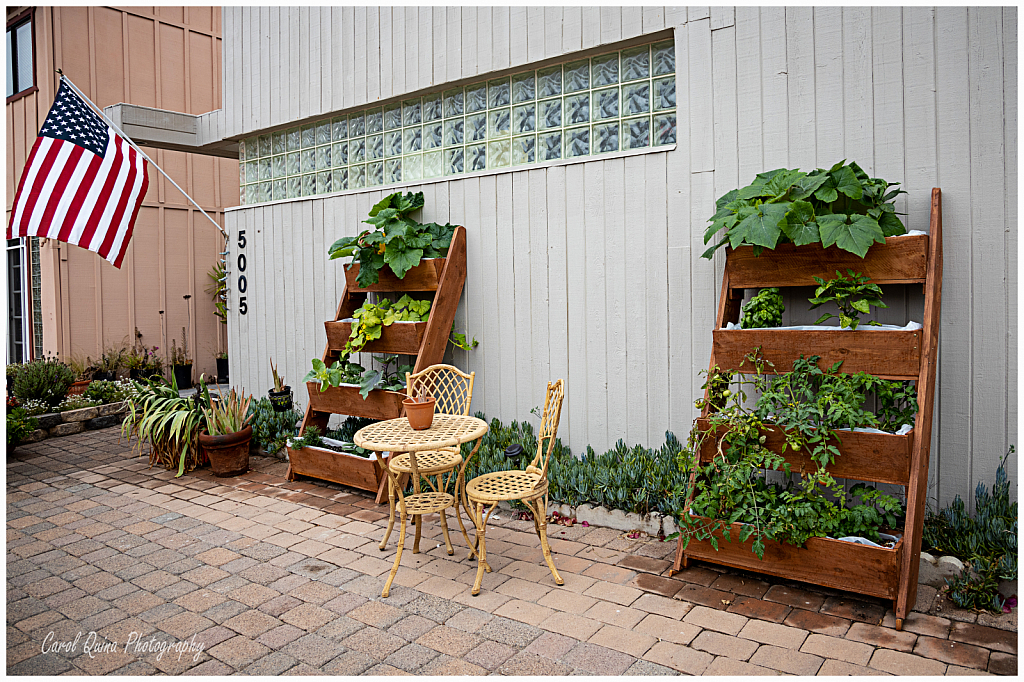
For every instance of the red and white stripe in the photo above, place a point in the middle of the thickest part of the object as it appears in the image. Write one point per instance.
(70, 194)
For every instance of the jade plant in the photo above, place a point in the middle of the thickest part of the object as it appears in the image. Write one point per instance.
(852, 293)
(764, 309)
(397, 241)
(840, 206)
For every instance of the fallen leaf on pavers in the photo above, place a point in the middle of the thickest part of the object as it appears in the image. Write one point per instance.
(727, 602)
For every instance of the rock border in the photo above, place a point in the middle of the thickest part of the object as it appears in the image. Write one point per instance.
(58, 424)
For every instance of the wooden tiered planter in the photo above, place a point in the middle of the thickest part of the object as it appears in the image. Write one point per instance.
(441, 278)
(890, 573)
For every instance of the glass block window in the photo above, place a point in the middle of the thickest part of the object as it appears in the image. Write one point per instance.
(619, 101)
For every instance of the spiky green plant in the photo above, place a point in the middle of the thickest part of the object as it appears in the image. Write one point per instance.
(168, 422)
(227, 415)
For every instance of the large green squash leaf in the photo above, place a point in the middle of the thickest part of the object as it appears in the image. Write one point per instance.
(854, 233)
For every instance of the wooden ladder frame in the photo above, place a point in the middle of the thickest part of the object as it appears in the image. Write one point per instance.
(445, 277)
(888, 573)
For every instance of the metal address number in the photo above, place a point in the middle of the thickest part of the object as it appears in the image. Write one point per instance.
(243, 307)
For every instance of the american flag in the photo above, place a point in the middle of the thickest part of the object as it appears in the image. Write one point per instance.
(83, 183)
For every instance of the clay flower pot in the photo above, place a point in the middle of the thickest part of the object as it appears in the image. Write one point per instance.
(229, 454)
(419, 414)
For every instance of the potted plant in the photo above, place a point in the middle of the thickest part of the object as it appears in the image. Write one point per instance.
(222, 367)
(169, 422)
(218, 291)
(181, 363)
(420, 411)
(228, 432)
(280, 395)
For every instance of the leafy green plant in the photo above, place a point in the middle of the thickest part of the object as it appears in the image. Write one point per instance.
(310, 438)
(809, 404)
(853, 295)
(228, 414)
(764, 309)
(397, 241)
(271, 428)
(36, 407)
(179, 355)
(106, 392)
(459, 340)
(168, 422)
(47, 379)
(371, 318)
(384, 376)
(19, 426)
(76, 402)
(987, 540)
(840, 206)
(217, 290)
(341, 372)
(279, 381)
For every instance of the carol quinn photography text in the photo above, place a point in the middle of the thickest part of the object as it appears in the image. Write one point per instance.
(93, 644)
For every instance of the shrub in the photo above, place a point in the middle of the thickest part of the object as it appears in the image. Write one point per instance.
(34, 407)
(19, 425)
(986, 542)
(47, 379)
(76, 402)
(110, 391)
(269, 428)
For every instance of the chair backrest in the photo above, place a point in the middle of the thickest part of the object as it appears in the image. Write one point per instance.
(449, 386)
(548, 429)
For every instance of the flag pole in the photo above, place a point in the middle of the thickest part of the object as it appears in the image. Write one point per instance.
(144, 155)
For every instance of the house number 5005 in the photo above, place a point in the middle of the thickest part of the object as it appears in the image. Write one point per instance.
(243, 307)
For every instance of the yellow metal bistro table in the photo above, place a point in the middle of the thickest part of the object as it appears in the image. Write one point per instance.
(395, 435)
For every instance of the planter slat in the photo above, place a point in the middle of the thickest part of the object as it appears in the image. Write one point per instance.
(379, 404)
(877, 457)
(884, 353)
(401, 337)
(423, 277)
(831, 563)
(901, 260)
(339, 467)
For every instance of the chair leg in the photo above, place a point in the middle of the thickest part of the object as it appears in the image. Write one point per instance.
(444, 529)
(539, 514)
(398, 557)
(481, 546)
(391, 516)
(418, 520)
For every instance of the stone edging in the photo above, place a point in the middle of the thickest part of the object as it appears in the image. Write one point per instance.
(57, 424)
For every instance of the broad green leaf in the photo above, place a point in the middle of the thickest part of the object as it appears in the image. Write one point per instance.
(807, 185)
(782, 182)
(402, 260)
(828, 191)
(847, 183)
(726, 198)
(861, 306)
(369, 381)
(711, 251)
(854, 233)
(891, 225)
(762, 227)
(726, 221)
(384, 203)
(799, 225)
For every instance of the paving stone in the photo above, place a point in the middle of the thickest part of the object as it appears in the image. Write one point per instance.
(740, 585)
(469, 620)
(625, 641)
(39, 666)
(760, 609)
(273, 663)
(252, 623)
(489, 655)
(886, 638)
(698, 575)
(668, 629)
(1000, 663)
(524, 611)
(900, 663)
(834, 668)
(225, 610)
(350, 663)
(666, 587)
(795, 597)
(733, 668)
(842, 649)
(678, 657)
(952, 652)
(435, 608)
(670, 608)
(786, 660)
(532, 664)
(213, 636)
(446, 665)
(614, 614)
(411, 657)
(771, 633)
(185, 624)
(375, 643)
(313, 649)
(308, 617)
(816, 622)
(340, 628)
(853, 609)
(990, 638)
(728, 623)
(724, 645)
(705, 596)
(377, 614)
(646, 668)
(510, 632)
(345, 602)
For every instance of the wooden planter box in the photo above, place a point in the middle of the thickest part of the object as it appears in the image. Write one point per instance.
(423, 277)
(400, 337)
(379, 404)
(831, 563)
(884, 353)
(879, 457)
(339, 467)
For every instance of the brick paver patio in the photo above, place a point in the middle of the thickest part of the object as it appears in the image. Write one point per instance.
(253, 574)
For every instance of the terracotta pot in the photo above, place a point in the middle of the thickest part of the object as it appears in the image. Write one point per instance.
(229, 455)
(419, 414)
(78, 388)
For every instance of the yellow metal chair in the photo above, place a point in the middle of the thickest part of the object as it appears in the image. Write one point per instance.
(452, 389)
(529, 486)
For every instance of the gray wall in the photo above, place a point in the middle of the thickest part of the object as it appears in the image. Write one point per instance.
(590, 270)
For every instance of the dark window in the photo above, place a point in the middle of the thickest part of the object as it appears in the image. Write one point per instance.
(16, 351)
(20, 72)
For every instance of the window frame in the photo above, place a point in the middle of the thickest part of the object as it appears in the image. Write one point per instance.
(28, 16)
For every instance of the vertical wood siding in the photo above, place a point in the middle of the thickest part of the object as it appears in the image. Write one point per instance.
(591, 271)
